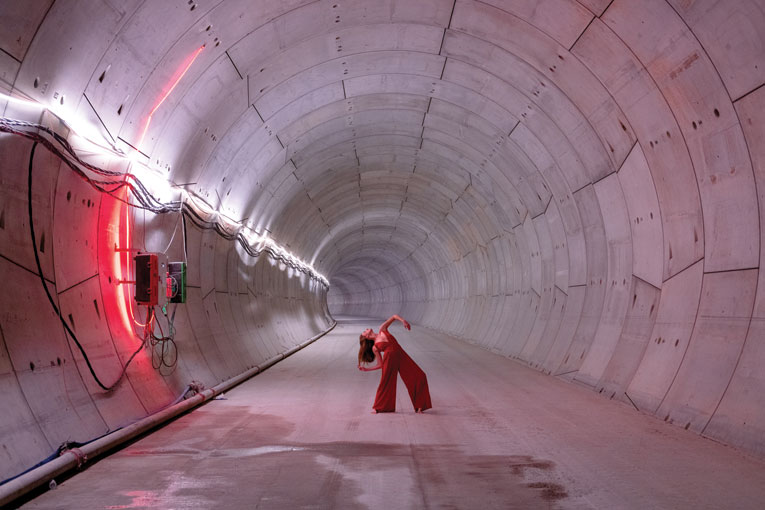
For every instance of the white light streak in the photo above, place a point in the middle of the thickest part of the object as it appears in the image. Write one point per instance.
(163, 189)
(21, 102)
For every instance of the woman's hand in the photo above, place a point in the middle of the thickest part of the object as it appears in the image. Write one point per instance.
(370, 369)
(406, 324)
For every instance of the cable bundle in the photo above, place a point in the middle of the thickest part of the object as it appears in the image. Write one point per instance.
(115, 181)
(164, 350)
(165, 353)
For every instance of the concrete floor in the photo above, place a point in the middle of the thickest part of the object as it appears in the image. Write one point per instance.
(500, 435)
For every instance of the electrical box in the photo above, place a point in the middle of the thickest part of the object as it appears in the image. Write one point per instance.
(150, 279)
(176, 282)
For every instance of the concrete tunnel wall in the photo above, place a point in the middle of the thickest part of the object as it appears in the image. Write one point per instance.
(575, 185)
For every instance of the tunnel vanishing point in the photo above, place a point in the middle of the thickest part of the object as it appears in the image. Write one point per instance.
(575, 185)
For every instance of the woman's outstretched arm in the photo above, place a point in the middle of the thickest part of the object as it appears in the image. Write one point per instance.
(387, 323)
(378, 362)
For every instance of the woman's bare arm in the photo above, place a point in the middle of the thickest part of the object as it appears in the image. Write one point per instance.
(378, 362)
(387, 323)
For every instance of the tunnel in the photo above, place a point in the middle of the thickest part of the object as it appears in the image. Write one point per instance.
(563, 197)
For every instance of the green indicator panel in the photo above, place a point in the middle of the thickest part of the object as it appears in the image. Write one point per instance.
(176, 282)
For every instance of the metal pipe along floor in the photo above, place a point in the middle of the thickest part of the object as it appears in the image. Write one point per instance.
(500, 435)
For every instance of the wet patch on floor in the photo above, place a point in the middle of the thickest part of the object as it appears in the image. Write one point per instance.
(549, 491)
(451, 479)
(224, 427)
(353, 475)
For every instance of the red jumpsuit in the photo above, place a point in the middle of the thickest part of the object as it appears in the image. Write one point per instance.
(395, 361)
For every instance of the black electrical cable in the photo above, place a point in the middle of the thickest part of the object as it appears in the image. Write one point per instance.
(145, 200)
(164, 348)
(50, 298)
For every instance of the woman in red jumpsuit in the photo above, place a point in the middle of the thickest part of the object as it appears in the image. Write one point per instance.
(383, 348)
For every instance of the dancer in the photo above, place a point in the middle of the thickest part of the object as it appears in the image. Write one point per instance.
(383, 348)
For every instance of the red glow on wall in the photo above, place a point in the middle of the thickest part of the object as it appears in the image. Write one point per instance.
(120, 239)
(184, 68)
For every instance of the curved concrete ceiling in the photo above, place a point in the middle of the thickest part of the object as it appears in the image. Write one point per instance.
(573, 184)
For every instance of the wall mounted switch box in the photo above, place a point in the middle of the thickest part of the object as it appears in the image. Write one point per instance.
(176, 282)
(150, 279)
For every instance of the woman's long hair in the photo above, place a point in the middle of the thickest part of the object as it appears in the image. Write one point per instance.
(366, 354)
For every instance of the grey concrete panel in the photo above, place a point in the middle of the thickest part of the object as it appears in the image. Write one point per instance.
(392, 121)
(218, 307)
(24, 19)
(74, 248)
(694, 92)
(240, 138)
(525, 299)
(633, 341)
(563, 199)
(15, 235)
(497, 178)
(597, 280)
(345, 67)
(660, 137)
(595, 6)
(64, 69)
(22, 324)
(23, 442)
(363, 137)
(645, 226)
(308, 103)
(675, 319)
(531, 236)
(550, 333)
(618, 279)
(204, 115)
(9, 67)
(546, 290)
(206, 250)
(738, 418)
(88, 315)
(43, 373)
(293, 25)
(572, 313)
(198, 319)
(578, 170)
(715, 347)
(192, 364)
(178, 30)
(64, 415)
(219, 262)
(586, 121)
(386, 104)
(423, 86)
(549, 59)
(732, 36)
(562, 20)
(346, 44)
(238, 326)
(29, 350)
(469, 122)
(559, 248)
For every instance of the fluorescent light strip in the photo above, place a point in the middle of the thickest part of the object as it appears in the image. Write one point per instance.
(22, 102)
(157, 183)
(255, 240)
